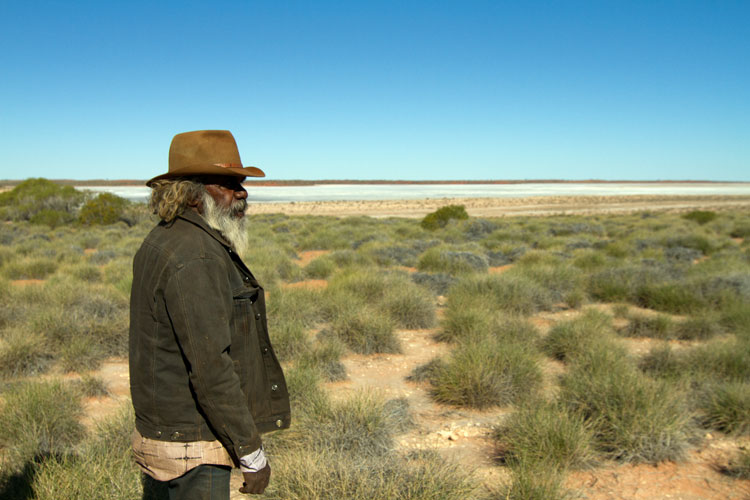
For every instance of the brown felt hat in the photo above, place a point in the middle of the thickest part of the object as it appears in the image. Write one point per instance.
(205, 152)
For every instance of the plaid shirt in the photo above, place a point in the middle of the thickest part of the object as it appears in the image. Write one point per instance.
(167, 460)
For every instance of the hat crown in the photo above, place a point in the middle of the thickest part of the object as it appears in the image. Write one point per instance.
(203, 147)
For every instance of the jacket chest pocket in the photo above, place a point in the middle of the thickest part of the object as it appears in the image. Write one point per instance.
(246, 350)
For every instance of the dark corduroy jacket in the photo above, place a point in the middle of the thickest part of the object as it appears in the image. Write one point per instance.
(201, 363)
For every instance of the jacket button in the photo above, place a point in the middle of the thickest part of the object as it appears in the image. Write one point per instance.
(279, 423)
(265, 350)
(247, 279)
(257, 315)
(158, 434)
(175, 435)
(274, 387)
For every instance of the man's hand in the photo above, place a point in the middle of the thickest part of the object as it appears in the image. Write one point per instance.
(256, 482)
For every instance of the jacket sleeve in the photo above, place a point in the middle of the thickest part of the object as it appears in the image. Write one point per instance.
(199, 303)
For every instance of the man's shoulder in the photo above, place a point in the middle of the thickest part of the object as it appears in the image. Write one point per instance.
(182, 239)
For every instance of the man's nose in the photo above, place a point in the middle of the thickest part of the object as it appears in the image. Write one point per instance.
(240, 194)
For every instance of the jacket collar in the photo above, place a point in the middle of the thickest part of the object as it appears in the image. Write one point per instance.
(195, 218)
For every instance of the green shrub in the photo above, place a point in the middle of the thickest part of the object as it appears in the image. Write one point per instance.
(740, 231)
(664, 362)
(52, 218)
(699, 327)
(42, 198)
(289, 339)
(726, 407)
(514, 294)
(294, 305)
(486, 373)
(721, 361)
(700, 216)
(440, 218)
(463, 323)
(320, 268)
(669, 297)
(105, 208)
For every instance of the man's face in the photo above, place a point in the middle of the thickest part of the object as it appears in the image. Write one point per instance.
(228, 193)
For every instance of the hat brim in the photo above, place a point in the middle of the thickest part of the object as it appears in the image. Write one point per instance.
(198, 170)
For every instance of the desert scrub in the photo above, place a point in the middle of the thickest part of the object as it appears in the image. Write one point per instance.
(440, 218)
(700, 216)
(562, 281)
(289, 339)
(513, 294)
(719, 360)
(40, 201)
(634, 418)
(365, 330)
(568, 339)
(534, 481)
(726, 406)
(658, 326)
(22, 353)
(441, 260)
(294, 304)
(486, 373)
(320, 268)
(105, 208)
(409, 305)
(101, 468)
(323, 474)
(672, 296)
(472, 323)
(663, 362)
(739, 466)
(29, 268)
(38, 419)
(546, 432)
(325, 358)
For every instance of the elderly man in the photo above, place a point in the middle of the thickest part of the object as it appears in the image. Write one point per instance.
(204, 378)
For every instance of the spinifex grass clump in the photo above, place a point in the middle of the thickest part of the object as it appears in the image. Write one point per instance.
(324, 474)
(22, 353)
(365, 330)
(392, 296)
(657, 326)
(37, 420)
(100, 468)
(634, 418)
(441, 260)
(546, 432)
(700, 216)
(726, 406)
(513, 294)
(568, 339)
(485, 373)
(325, 358)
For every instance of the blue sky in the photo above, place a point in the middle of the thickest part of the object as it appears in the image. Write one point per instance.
(615, 90)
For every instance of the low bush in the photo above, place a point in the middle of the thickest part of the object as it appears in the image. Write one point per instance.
(721, 361)
(514, 294)
(51, 203)
(534, 481)
(669, 297)
(664, 362)
(440, 218)
(739, 466)
(29, 268)
(437, 283)
(105, 208)
(325, 358)
(410, 306)
(289, 339)
(700, 216)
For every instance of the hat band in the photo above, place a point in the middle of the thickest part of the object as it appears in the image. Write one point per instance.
(229, 165)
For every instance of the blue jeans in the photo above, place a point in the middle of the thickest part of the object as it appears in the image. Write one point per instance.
(205, 482)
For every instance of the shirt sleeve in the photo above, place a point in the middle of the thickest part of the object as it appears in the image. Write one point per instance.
(199, 304)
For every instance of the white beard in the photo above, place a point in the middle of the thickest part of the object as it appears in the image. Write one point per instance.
(224, 220)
